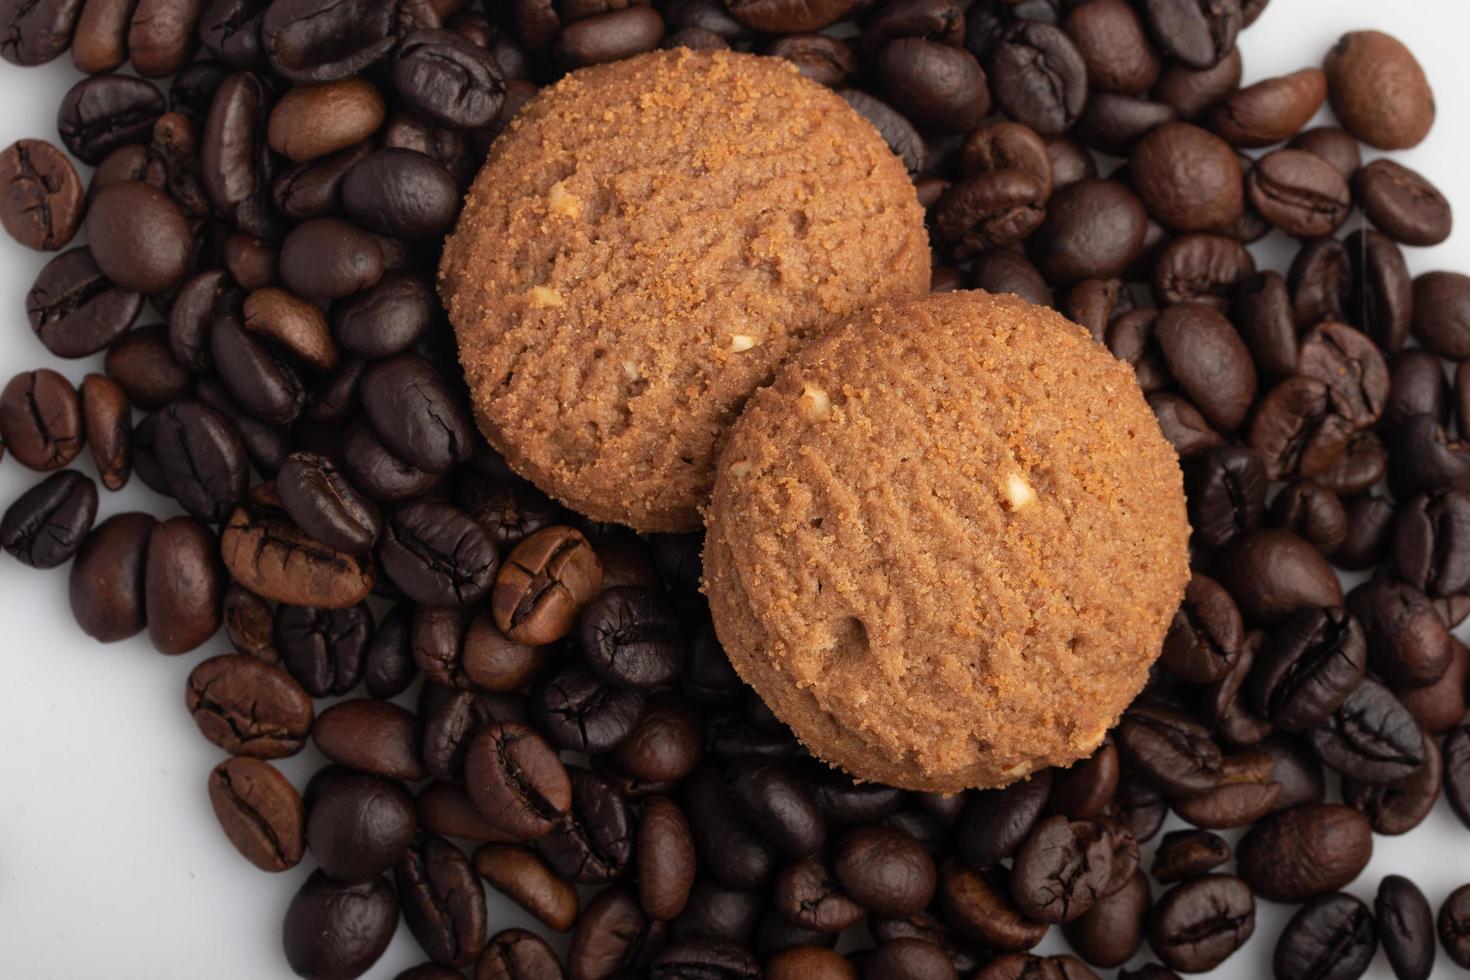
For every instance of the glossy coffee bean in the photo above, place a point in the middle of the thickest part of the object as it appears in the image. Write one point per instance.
(1334, 936)
(1094, 229)
(1312, 512)
(101, 113)
(1383, 294)
(327, 258)
(1372, 737)
(1197, 35)
(1378, 90)
(1271, 110)
(1210, 362)
(41, 204)
(1304, 852)
(1200, 922)
(1400, 806)
(183, 584)
(47, 524)
(275, 559)
(138, 237)
(1170, 750)
(1114, 45)
(1109, 933)
(371, 736)
(106, 587)
(518, 873)
(338, 930)
(1299, 192)
(516, 953)
(1402, 203)
(1188, 854)
(1226, 493)
(1441, 319)
(1308, 668)
(1408, 643)
(141, 363)
(447, 79)
(437, 555)
(592, 845)
(1061, 869)
(1205, 637)
(317, 41)
(75, 310)
(201, 458)
(1405, 927)
(400, 193)
(386, 319)
(937, 85)
(41, 420)
(1200, 268)
(612, 936)
(260, 812)
(313, 121)
(1454, 926)
(357, 825)
(249, 707)
(1188, 178)
(1037, 77)
(991, 209)
(416, 414)
(582, 713)
(318, 497)
(516, 780)
(1273, 573)
(442, 901)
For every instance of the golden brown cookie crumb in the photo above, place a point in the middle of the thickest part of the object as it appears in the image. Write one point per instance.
(946, 543)
(644, 246)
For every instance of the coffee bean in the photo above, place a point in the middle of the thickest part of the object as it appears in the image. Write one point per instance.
(101, 113)
(997, 821)
(1271, 110)
(1195, 34)
(1003, 271)
(1226, 493)
(183, 582)
(1113, 44)
(443, 903)
(1313, 513)
(249, 623)
(1405, 927)
(101, 40)
(310, 122)
(825, 60)
(400, 192)
(937, 85)
(437, 555)
(234, 156)
(1402, 203)
(592, 844)
(447, 79)
(629, 635)
(1351, 366)
(1306, 851)
(1272, 573)
(414, 412)
(777, 805)
(1371, 737)
(1205, 637)
(1438, 707)
(1308, 668)
(310, 190)
(41, 420)
(1332, 937)
(1211, 363)
(1109, 933)
(1192, 92)
(255, 373)
(1061, 869)
(1454, 925)
(1188, 854)
(1425, 458)
(323, 648)
(296, 325)
(260, 812)
(908, 959)
(582, 713)
(1299, 192)
(319, 498)
(1085, 790)
(275, 559)
(1093, 230)
(1408, 643)
(41, 202)
(717, 912)
(613, 936)
(249, 707)
(1378, 90)
(138, 237)
(1200, 268)
(199, 302)
(74, 309)
(515, 954)
(339, 930)
(35, 33)
(47, 524)
(319, 41)
(1244, 793)
(1038, 77)
(1383, 293)
(516, 780)
(705, 957)
(1169, 749)
(386, 319)
(884, 871)
(141, 363)
(372, 736)
(1336, 146)
(979, 908)
(991, 209)
(106, 580)
(1198, 923)
(809, 963)
(1400, 806)
(1441, 319)
(518, 873)
(1188, 178)
(1359, 468)
(1320, 280)
(357, 825)
(107, 424)
(327, 258)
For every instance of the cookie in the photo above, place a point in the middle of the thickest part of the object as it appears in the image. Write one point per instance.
(645, 244)
(945, 545)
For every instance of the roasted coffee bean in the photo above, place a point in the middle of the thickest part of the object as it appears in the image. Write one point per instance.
(1438, 707)
(260, 812)
(249, 707)
(234, 156)
(415, 413)
(1454, 926)
(323, 648)
(141, 363)
(1299, 192)
(386, 319)
(1296, 767)
(105, 587)
(41, 420)
(1209, 199)
(937, 85)
(1312, 512)
(47, 524)
(1195, 34)
(991, 209)
(1109, 933)
(629, 636)
(1225, 489)
(997, 821)
(1139, 807)
(230, 32)
(1360, 467)
(101, 40)
(1402, 203)
(388, 664)
(825, 60)
(1378, 90)
(275, 559)
(1272, 573)
(884, 871)
(717, 912)
(107, 423)
(327, 258)
(1405, 927)
(778, 805)
(451, 718)
(1200, 268)
(730, 849)
(509, 511)
(1320, 280)
(1169, 749)
(1038, 77)
(75, 310)
(1061, 869)
(37, 32)
(1205, 638)
(1207, 358)
(1004, 271)
(1192, 92)
(447, 79)
(339, 930)
(582, 713)
(908, 959)
(613, 936)
(664, 850)
(1309, 667)
(664, 746)
(101, 113)
(318, 41)
(712, 958)
(200, 300)
(183, 583)
(443, 903)
(1336, 146)
(979, 908)
(1303, 852)
(1408, 643)
(1441, 320)
(1200, 922)
(437, 555)
(1332, 938)
(1383, 294)
(1188, 854)
(1400, 806)
(1007, 146)
(593, 843)
(515, 954)
(319, 498)
(162, 36)
(249, 623)
(402, 193)
(377, 472)
(809, 963)
(490, 660)
(545, 582)
(518, 873)
(310, 122)
(1271, 110)
(139, 238)
(297, 326)
(41, 202)
(1301, 427)
(1081, 792)
(1425, 458)
(1245, 793)
(310, 190)
(1371, 737)
(1094, 229)
(516, 780)
(1114, 45)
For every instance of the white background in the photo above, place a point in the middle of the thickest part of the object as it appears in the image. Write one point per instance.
(111, 863)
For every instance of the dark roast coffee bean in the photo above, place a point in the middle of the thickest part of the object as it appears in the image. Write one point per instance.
(1400, 806)
(1061, 869)
(1301, 427)
(1425, 458)
(336, 399)
(1405, 927)
(664, 850)
(1207, 357)
(1307, 851)
(201, 458)
(1109, 933)
(142, 365)
(249, 707)
(1191, 92)
(451, 718)
(327, 258)
(593, 844)
(1188, 178)
(1441, 320)
(37, 32)
(1312, 512)
(1273, 573)
(447, 79)
(631, 637)
(1360, 467)
(377, 472)
(516, 780)
(321, 41)
(339, 930)
(1171, 750)
(415, 413)
(610, 36)
(1139, 807)
(1205, 637)
(402, 193)
(712, 958)
(309, 190)
(809, 963)
(613, 936)
(105, 586)
(443, 903)
(41, 420)
(1438, 707)
(1372, 737)
(183, 582)
(1226, 493)
(1199, 923)
(997, 821)
(1351, 366)
(1336, 146)
(717, 912)
(513, 954)
(991, 209)
(1200, 268)
(778, 805)
(275, 559)
(1383, 294)
(545, 582)
(1188, 854)
(1111, 38)
(319, 498)
(437, 555)
(139, 238)
(1299, 192)
(1379, 90)
(885, 871)
(103, 112)
(386, 319)
(230, 32)
(1454, 926)
(1308, 668)
(937, 85)
(1408, 643)
(1402, 203)
(1417, 386)
(234, 157)
(665, 744)
(47, 524)
(730, 849)
(1093, 230)
(75, 310)
(323, 648)
(41, 201)
(808, 894)
(1193, 33)
(1332, 938)
(388, 665)
(200, 300)
(1038, 77)
(1271, 110)
(297, 326)
(518, 873)
(909, 959)
(260, 812)
(1002, 270)
(249, 623)
(825, 60)
(582, 713)
(1245, 793)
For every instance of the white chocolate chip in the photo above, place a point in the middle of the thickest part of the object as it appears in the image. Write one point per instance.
(740, 469)
(1017, 771)
(630, 368)
(546, 298)
(741, 342)
(562, 201)
(814, 403)
(1019, 492)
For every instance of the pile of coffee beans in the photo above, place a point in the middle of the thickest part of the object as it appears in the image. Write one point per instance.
(508, 693)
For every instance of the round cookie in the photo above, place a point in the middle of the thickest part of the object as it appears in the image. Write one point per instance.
(645, 244)
(946, 543)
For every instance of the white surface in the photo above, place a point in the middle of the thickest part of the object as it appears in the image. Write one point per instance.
(111, 863)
